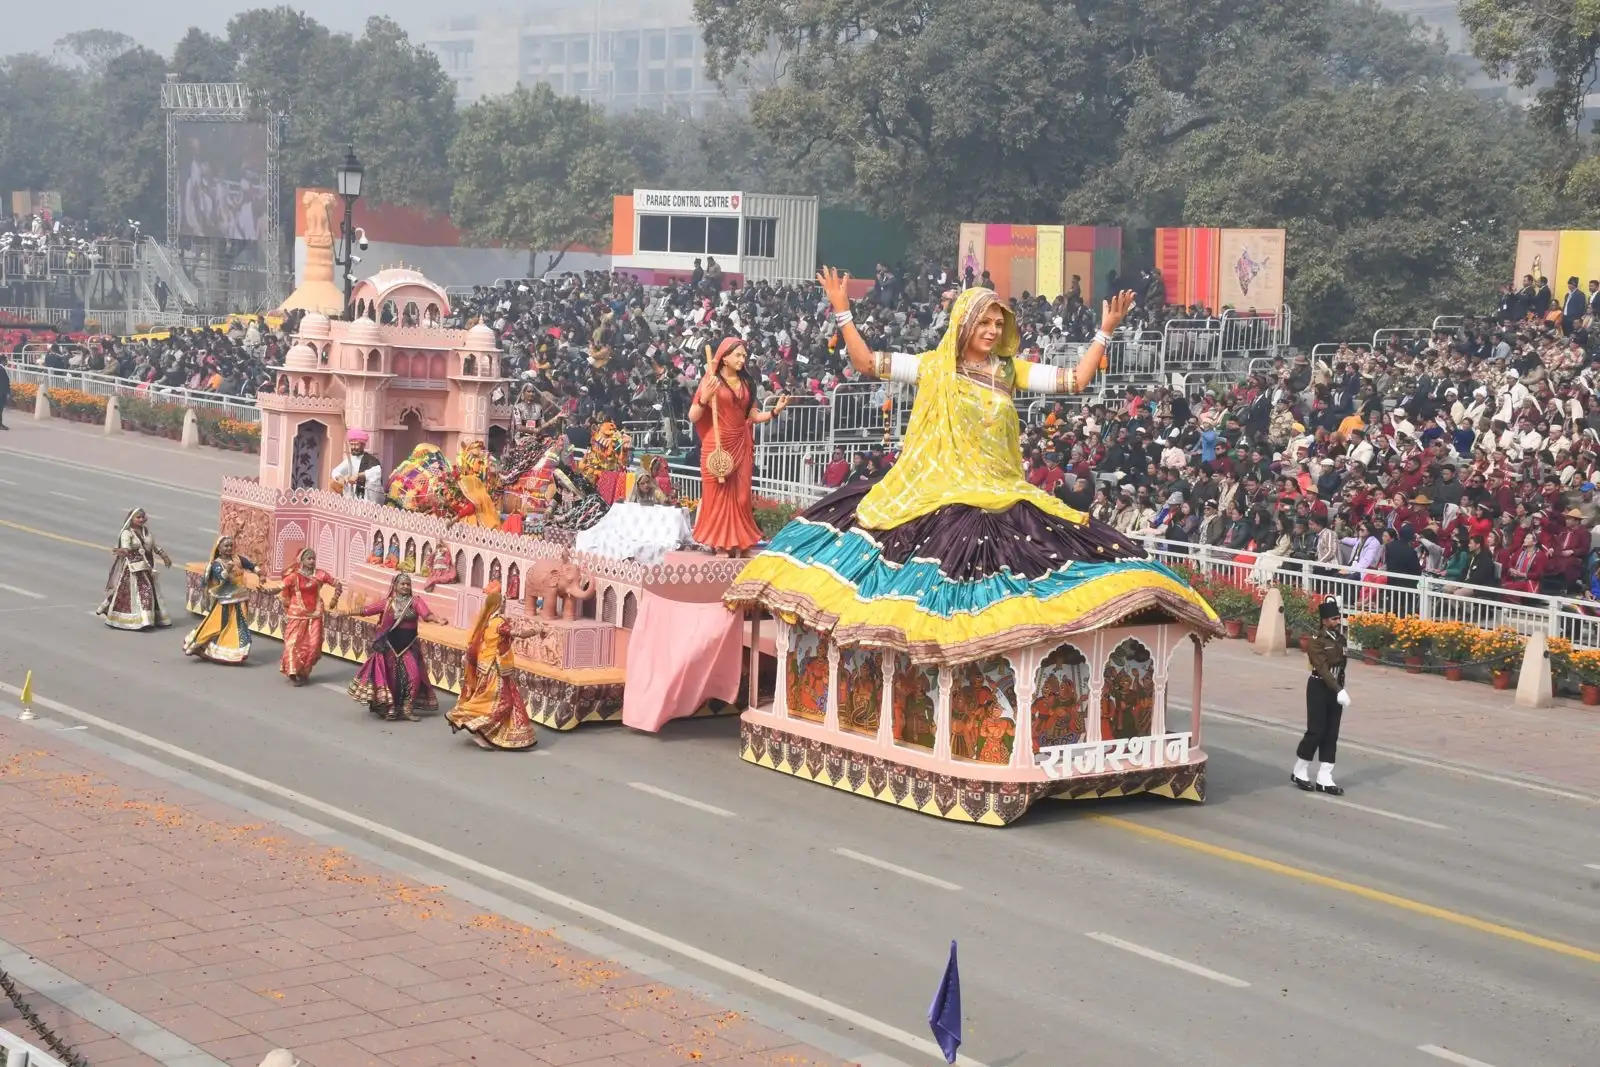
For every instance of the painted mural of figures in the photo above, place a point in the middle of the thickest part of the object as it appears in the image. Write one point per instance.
(491, 710)
(302, 616)
(393, 682)
(223, 636)
(133, 595)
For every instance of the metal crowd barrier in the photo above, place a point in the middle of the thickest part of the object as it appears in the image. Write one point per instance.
(1410, 596)
(243, 409)
(15, 1052)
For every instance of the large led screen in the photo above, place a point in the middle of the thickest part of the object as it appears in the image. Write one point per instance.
(222, 180)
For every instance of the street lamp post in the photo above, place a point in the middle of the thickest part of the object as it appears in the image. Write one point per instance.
(349, 181)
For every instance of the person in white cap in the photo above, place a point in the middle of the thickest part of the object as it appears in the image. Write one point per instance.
(1326, 701)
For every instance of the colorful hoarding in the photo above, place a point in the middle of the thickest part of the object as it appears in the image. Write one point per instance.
(1536, 254)
(1250, 274)
(1050, 257)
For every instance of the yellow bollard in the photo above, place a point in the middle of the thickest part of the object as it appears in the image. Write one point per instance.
(27, 698)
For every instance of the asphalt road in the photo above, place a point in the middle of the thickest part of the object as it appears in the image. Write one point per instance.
(1431, 917)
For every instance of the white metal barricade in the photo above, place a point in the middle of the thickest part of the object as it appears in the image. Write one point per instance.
(1192, 343)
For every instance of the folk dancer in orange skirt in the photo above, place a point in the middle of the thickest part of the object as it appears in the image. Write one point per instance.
(133, 597)
(302, 616)
(491, 708)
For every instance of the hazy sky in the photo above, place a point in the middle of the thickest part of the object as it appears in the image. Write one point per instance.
(33, 27)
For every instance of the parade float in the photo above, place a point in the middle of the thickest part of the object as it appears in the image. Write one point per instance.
(418, 394)
(983, 740)
(952, 639)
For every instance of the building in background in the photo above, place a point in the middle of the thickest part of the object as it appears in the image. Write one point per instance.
(658, 234)
(621, 55)
(1444, 18)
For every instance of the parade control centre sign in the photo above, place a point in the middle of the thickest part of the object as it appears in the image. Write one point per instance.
(692, 202)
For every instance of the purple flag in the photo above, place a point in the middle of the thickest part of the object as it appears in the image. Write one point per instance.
(944, 1014)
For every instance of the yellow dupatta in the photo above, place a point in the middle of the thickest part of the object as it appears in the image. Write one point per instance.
(963, 444)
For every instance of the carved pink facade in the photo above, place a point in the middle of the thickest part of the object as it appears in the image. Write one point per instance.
(407, 383)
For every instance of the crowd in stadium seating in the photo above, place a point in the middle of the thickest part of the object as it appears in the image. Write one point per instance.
(1472, 454)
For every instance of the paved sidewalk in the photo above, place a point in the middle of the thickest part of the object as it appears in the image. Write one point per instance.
(178, 931)
(1467, 723)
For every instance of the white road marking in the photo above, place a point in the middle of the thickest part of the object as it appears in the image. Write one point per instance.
(873, 861)
(68, 496)
(689, 802)
(333, 687)
(1343, 803)
(1593, 866)
(209, 531)
(1420, 761)
(21, 592)
(1451, 1057)
(1170, 961)
(5, 481)
(554, 897)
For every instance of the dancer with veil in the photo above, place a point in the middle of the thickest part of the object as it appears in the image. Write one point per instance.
(952, 555)
(301, 592)
(223, 636)
(393, 683)
(133, 595)
(490, 709)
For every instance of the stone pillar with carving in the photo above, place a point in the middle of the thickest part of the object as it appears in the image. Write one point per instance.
(886, 704)
(941, 714)
(1024, 668)
(1158, 713)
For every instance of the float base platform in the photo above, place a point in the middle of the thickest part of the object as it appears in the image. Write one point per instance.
(557, 698)
(965, 796)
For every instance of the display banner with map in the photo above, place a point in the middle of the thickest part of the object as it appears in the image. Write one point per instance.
(1250, 269)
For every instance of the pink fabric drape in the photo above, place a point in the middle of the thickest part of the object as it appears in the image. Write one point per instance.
(679, 656)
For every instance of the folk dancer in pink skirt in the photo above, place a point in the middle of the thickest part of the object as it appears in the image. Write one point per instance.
(393, 682)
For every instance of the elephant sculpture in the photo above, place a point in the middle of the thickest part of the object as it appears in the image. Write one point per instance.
(554, 582)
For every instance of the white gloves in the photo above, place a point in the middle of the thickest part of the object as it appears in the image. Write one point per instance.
(1343, 698)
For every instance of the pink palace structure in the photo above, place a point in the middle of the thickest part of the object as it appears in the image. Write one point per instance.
(414, 383)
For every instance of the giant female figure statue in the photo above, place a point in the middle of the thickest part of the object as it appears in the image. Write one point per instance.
(723, 414)
(952, 555)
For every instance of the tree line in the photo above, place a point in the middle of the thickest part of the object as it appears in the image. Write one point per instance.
(1342, 122)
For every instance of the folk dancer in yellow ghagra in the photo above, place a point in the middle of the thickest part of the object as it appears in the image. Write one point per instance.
(952, 556)
(223, 636)
(490, 709)
(133, 596)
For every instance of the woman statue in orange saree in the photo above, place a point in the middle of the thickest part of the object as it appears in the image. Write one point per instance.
(490, 709)
(302, 616)
(723, 415)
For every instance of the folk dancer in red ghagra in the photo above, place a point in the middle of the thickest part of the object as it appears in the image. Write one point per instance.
(302, 616)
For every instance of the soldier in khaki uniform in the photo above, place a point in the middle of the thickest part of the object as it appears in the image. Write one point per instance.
(1326, 700)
